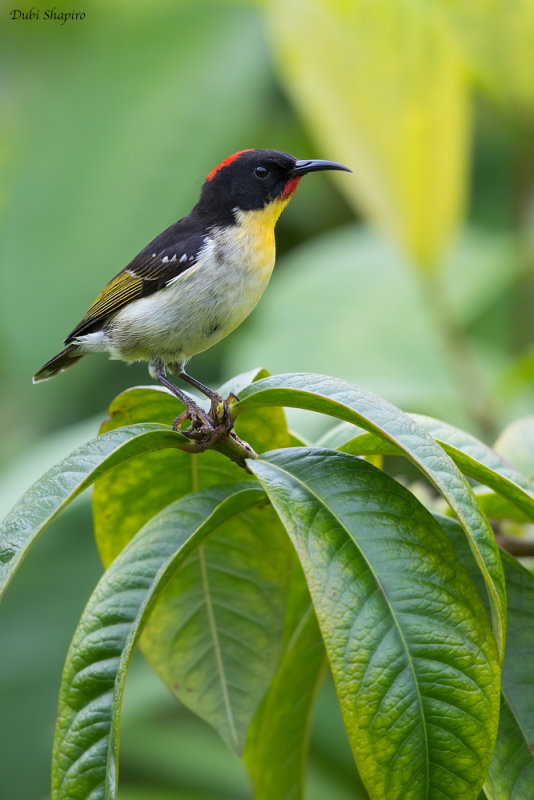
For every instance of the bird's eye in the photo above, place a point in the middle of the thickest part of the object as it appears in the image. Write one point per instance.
(261, 172)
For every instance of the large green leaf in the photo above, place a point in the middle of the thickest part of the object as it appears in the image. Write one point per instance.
(472, 456)
(410, 646)
(374, 80)
(86, 741)
(232, 590)
(511, 773)
(277, 744)
(352, 404)
(63, 482)
(216, 633)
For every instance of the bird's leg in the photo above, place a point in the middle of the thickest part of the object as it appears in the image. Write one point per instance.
(215, 398)
(200, 420)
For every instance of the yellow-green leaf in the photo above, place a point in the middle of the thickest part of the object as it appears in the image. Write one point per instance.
(382, 88)
(497, 38)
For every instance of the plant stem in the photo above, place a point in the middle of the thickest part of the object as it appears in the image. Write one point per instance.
(229, 444)
(464, 369)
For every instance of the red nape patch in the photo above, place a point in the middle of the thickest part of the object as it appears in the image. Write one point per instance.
(290, 187)
(226, 162)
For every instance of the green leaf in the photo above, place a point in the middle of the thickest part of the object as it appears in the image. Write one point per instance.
(410, 646)
(63, 482)
(495, 506)
(142, 486)
(199, 617)
(277, 744)
(472, 456)
(481, 462)
(511, 773)
(216, 633)
(352, 404)
(357, 441)
(86, 740)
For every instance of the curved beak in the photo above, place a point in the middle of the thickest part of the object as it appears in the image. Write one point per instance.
(315, 165)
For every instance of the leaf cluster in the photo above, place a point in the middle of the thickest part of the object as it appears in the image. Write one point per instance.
(239, 588)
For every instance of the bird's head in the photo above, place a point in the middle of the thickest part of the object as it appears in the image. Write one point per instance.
(253, 180)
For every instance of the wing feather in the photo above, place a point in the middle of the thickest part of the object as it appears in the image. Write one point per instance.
(120, 290)
(172, 253)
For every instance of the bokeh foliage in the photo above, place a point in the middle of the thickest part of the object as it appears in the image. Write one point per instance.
(426, 298)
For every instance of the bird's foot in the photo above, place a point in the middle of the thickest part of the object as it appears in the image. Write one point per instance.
(213, 430)
(203, 429)
(201, 423)
(220, 410)
(206, 428)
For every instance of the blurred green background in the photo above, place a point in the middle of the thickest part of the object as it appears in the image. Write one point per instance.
(413, 277)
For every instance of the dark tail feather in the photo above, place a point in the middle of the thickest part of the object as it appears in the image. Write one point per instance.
(67, 358)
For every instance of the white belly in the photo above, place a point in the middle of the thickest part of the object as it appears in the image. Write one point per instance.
(200, 306)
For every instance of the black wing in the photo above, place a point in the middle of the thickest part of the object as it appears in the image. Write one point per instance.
(168, 255)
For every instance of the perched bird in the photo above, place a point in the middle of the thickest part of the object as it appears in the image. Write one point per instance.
(196, 281)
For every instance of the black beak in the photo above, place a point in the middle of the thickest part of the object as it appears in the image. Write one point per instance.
(315, 165)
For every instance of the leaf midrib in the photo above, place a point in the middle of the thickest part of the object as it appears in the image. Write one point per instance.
(211, 616)
(388, 603)
(216, 646)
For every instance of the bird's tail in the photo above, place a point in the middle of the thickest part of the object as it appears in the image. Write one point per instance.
(67, 358)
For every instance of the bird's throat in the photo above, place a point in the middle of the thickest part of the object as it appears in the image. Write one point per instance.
(256, 228)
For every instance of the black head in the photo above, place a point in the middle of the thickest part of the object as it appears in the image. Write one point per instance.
(252, 179)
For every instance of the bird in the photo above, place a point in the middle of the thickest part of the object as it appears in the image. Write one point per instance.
(194, 283)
